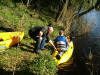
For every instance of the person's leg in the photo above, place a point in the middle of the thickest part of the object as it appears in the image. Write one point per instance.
(64, 49)
(43, 43)
(37, 47)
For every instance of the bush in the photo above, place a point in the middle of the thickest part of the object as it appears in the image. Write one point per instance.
(43, 65)
(8, 3)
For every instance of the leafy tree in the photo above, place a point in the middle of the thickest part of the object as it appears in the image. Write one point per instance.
(68, 13)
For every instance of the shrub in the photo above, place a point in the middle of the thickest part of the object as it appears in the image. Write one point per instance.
(43, 65)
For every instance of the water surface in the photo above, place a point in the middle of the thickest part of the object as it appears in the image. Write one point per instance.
(83, 45)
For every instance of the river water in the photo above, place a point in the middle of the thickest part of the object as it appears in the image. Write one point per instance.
(85, 46)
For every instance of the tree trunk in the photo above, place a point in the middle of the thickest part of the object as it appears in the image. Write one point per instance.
(67, 15)
(28, 1)
(63, 12)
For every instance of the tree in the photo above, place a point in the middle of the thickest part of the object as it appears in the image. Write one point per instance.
(68, 12)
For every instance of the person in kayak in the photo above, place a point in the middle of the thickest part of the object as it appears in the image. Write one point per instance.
(41, 35)
(61, 42)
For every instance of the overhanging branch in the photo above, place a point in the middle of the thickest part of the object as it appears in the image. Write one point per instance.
(88, 10)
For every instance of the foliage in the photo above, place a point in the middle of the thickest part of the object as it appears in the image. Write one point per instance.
(15, 59)
(14, 14)
(18, 17)
(44, 64)
(8, 3)
(83, 3)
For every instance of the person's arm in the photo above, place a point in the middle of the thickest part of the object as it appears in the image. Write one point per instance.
(67, 41)
(40, 35)
(50, 41)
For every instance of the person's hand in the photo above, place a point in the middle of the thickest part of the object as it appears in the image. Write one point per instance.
(40, 33)
(55, 48)
(40, 38)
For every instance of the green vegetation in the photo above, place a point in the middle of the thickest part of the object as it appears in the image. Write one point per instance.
(20, 15)
(22, 56)
(43, 65)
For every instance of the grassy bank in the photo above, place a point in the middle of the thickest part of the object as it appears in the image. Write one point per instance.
(18, 17)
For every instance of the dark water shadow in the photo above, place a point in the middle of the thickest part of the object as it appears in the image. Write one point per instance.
(81, 54)
(78, 67)
(83, 45)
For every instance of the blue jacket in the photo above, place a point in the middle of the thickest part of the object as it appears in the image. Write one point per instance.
(63, 39)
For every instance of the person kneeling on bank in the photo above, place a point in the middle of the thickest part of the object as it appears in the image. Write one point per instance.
(41, 35)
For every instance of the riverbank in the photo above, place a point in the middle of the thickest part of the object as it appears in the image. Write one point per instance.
(17, 17)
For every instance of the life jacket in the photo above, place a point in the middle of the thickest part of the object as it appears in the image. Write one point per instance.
(61, 42)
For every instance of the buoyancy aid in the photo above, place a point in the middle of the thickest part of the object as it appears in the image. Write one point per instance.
(61, 42)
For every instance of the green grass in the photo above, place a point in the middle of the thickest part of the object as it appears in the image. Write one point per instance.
(19, 18)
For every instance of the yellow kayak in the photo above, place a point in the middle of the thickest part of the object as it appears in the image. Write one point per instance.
(8, 39)
(66, 55)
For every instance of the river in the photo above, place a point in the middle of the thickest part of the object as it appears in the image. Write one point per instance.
(85, 46)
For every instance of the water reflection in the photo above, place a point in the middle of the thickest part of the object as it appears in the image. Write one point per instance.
(83, 44)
